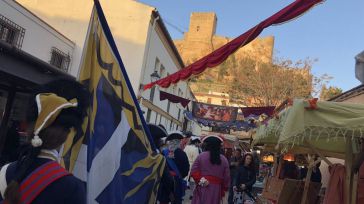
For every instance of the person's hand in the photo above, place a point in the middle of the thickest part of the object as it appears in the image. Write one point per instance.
(235, 188)
(243, 186)
(203, 182)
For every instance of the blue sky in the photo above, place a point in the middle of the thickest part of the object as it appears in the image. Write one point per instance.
(332, 32)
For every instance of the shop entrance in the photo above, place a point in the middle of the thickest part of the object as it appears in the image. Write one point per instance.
(14, 103)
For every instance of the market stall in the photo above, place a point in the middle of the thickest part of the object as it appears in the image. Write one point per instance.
(327, 129)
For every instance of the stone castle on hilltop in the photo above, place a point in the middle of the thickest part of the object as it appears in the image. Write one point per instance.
(214, 85)
(201, 39)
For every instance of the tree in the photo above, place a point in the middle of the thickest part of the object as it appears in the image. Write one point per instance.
(265, 84)
(328, 93)
(223, 69)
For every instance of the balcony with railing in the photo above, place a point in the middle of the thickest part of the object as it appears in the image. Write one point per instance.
(60, 59)
(10, 32)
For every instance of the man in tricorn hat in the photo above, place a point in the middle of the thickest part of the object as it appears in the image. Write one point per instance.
(57, 109)
(166, 186)
(178, 164)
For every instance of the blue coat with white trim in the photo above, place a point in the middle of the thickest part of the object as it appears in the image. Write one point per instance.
(66, 190)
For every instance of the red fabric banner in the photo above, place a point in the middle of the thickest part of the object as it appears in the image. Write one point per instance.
(218, 56)
(257, 111)
(173, 98)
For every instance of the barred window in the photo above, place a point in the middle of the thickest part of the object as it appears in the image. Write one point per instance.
(60, 59)
(10, 32)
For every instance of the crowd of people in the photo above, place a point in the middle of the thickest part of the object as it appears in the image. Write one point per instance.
(192, 162)
(203, 168)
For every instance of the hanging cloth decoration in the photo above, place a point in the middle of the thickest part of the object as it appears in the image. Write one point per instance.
(218, 56)
(235, 125)
(257, 111)
(173, 98)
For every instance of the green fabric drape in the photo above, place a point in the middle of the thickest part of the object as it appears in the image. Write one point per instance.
(326, 127)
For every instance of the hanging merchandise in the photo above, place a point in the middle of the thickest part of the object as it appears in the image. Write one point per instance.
(173, 98)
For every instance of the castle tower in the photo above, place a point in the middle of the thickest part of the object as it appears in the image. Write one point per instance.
(202, 26)
(199, 40)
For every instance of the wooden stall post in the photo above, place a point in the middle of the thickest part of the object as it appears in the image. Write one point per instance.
(275, 165)
(318, 153)
(355, 188)
(307, 181)
(348, 170)
(357, 162)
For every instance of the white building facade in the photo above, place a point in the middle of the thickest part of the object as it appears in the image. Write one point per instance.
(162, 58)
(24, 30)
(143, 42)
(31, 53)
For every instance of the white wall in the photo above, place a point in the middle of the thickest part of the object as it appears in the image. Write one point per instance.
(39, 37)
(128, 21)
(138, 41)
(158, 48)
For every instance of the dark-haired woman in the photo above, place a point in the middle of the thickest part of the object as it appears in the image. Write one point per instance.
(36, 177)
(245, 176)
(211, 173)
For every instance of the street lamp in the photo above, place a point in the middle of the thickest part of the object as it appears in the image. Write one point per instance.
(154, 76)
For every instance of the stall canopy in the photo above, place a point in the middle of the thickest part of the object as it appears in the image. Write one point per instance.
(323, 126)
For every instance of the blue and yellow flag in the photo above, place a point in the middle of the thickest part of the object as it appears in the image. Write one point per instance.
(120, 165)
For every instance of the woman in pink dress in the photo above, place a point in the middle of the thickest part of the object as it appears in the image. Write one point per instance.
(211, 172)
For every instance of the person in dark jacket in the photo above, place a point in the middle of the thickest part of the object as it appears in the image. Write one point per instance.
(316, 173)
(289, 170)
(245, 176)
(178, 164)
(235, 162)
(57, 108)
(12, 144)
(166, 186)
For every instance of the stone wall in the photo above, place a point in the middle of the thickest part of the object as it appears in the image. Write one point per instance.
(201, 39)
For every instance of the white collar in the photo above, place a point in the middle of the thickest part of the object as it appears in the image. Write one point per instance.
(51, 154)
